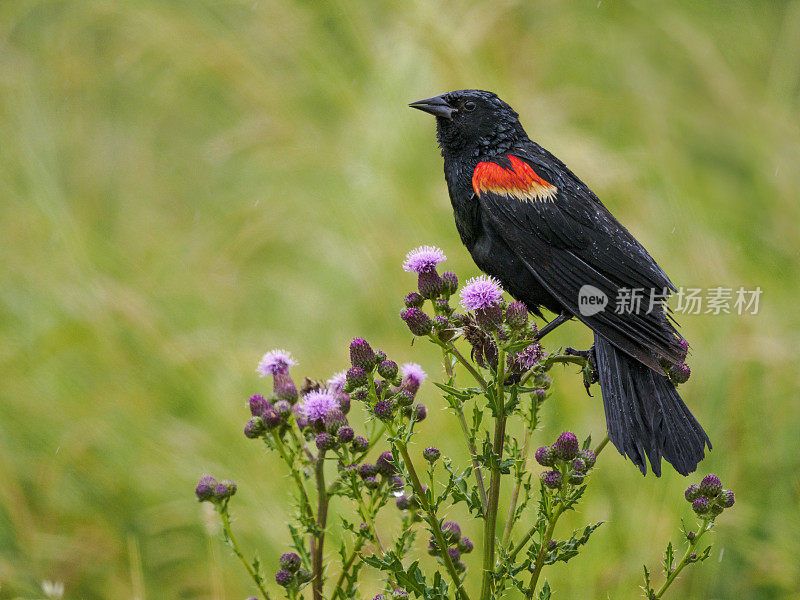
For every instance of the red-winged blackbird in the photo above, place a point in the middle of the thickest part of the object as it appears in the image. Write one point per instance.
(527, 220)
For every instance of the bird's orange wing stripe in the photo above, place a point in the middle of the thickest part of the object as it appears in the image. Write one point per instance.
(519, 181)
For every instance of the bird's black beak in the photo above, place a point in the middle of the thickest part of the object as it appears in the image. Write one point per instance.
(437, 106)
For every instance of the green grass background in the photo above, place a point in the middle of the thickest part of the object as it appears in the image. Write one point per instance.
(185, 185)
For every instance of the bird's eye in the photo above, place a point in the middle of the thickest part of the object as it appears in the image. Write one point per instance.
(469, 106)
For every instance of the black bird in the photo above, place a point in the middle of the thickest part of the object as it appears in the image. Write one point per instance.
(528, 220)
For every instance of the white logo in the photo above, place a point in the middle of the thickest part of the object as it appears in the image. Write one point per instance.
(591, 300)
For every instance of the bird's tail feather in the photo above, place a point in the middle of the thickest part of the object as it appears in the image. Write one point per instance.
(645, 415)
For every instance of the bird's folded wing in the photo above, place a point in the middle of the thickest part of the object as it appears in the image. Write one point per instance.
(568, 240)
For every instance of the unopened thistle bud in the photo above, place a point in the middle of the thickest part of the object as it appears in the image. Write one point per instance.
(283, 407)
(679, 373)
(451, 531)
(360, 444)
(692, 492)
(367, 470)
(388, 369)
(284, 578)
(271, 419)
(450, 283)
(258, 405)
(420, 413)
(361, 354)
(334, 421)
(404, 398)
(551, 479)
(430, 284)
(431, 454)
(403, 502)
(726, 499)
(205, 488)
(710, 486)
(545, 456)
(442, 306)
(588, 458)
(325, 441)
(413, 300)
(254, 428)
(516, 315)
(303, 576)
(577, 478)
(578, 465)
(700, 505)
(290, 561)
(383, 410)
(385, 464)
(345, 434)
(372, 483)
(465, 546)
(283, 387)
(454, 554)
(566, 446)
(418, 322)
(356, 377)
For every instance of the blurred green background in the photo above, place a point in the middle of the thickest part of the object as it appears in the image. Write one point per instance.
(185, 185)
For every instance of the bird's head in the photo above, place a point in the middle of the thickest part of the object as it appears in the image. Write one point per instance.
(472, 122)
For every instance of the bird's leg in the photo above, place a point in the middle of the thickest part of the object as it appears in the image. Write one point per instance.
(562, 318)
(590, 369)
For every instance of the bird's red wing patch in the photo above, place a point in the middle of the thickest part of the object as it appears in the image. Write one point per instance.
(519, 181)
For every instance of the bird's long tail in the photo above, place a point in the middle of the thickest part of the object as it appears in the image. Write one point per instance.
(645, 415)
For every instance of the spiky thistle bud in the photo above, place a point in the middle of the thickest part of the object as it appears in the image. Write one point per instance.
(431, 454)
(303, 576)
(205, 488)
(545, 456)
(254, 428)
(726, 499)
(413, 300)
(388, 369)
(383, 410)
(284, 578)
(451, 531)
(679, 373)
(356, 377)
(516, 315)
(418, 322)
(551, 479)
(710, 486)
(588, 458)
(290, 561)
(372, 483)
(361, 354)
(360, 444)
(325, 441)
(258, 405)
(566, 446)
(465, 546)
(700, 505)
(367, 470)
(692, 492)
(345, 434)
(385, 464)
(430, 284)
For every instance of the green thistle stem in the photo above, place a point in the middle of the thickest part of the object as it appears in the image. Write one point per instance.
(231, 539)
(684, 561)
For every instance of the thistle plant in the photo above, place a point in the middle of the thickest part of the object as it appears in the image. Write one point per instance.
(357, 440)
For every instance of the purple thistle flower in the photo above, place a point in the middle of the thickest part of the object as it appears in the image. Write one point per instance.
(337, 381)
(527, 358)
(726, 499)
(345, 434)
(325, 441)
(317, 404)
(258, 405)
(413, 377)
(451, 531)
(545, 456)
(566, 446)
(680, 373)
(383, 410)
(379, 597)
(205, 488)
(274, 362)
(465, 545)
(283, 387)
(700, 505)
(418, 322)
(420, 413)
(361, 354)
(423, 259)
(480, 293)
(360, 444)
(540, 394)
(431, 454)
(290, 561)
(551, 479)
(385, 464)
(710, 486)
(283, 578)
